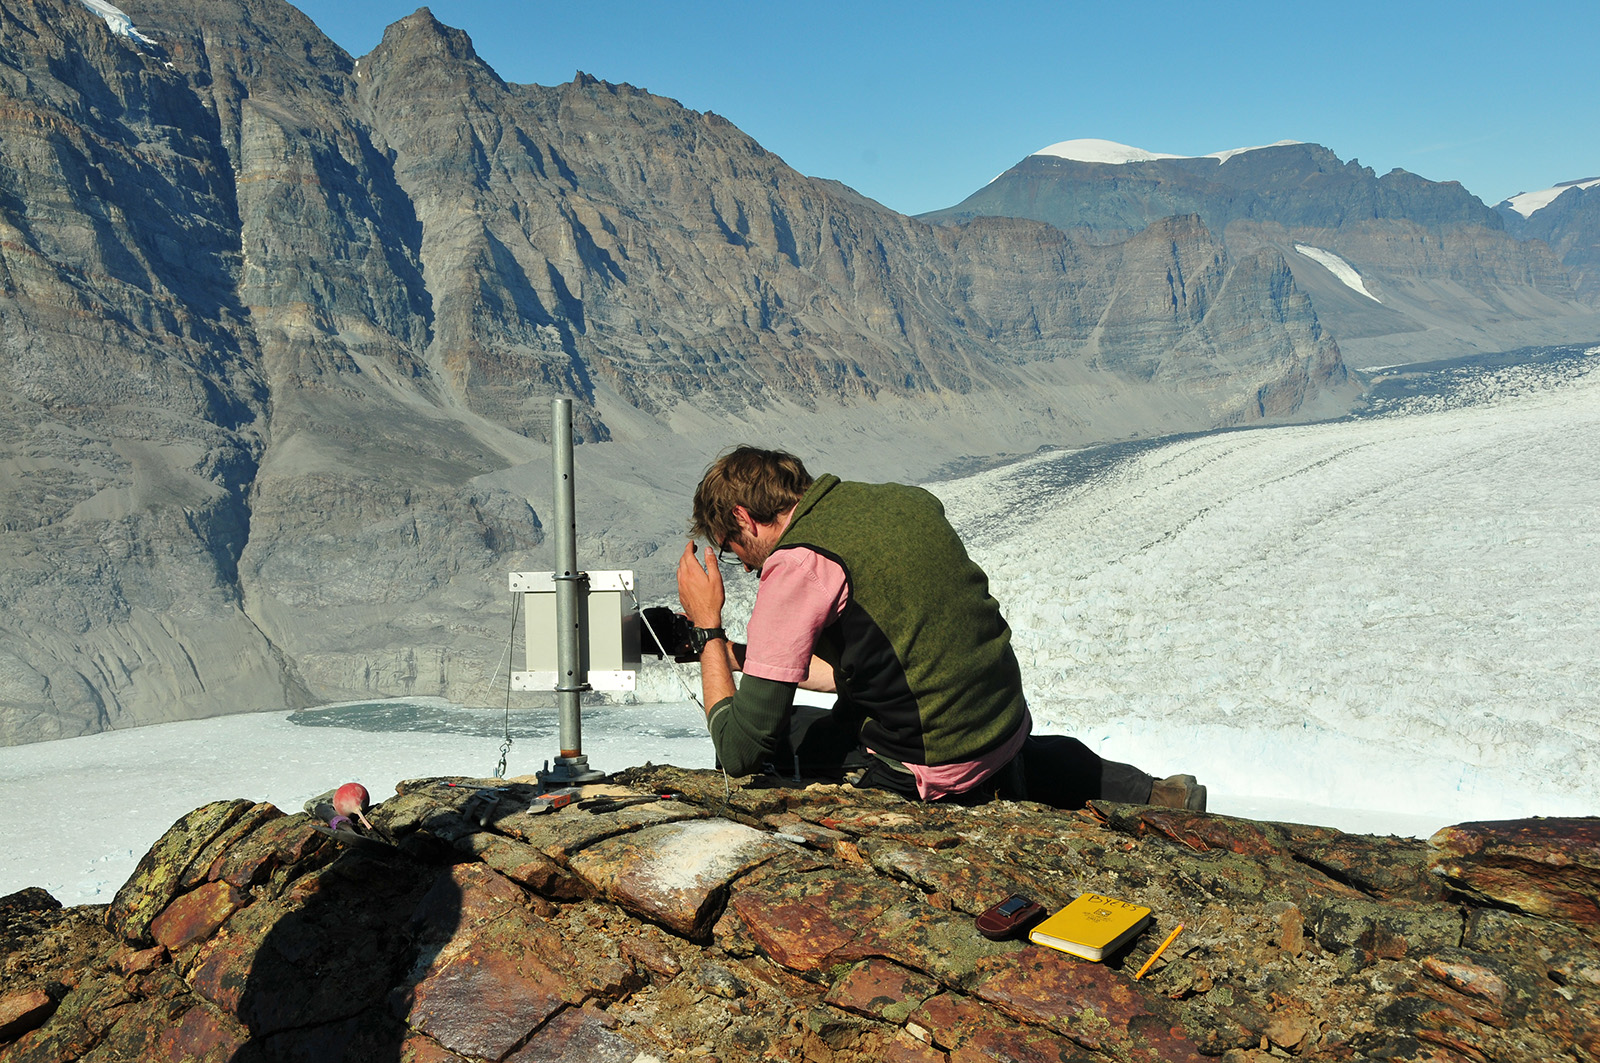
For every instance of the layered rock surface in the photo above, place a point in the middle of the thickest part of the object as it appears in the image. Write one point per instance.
(1445, 273)
(279, 331)
(824, 923)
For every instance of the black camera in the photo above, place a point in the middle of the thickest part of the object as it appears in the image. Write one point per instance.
(668, 631)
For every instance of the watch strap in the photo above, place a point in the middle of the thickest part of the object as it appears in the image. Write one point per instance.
(702, 635)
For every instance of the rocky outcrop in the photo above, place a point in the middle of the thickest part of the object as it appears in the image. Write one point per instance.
(1444, 274)
(1549, 868)
(279, 331)
(823, 923)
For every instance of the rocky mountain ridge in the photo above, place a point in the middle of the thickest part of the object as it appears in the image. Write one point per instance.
(1570, 224)
(822, 923)
(279, 330)
(1443, 272)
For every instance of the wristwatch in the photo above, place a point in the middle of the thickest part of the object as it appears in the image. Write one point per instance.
(702, 635)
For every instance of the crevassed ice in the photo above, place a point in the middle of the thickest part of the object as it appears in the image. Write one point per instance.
(1338, 267)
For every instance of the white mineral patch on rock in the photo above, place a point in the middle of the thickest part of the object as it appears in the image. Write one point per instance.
(707, 852)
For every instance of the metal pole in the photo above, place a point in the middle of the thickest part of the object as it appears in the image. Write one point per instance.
(571, 679)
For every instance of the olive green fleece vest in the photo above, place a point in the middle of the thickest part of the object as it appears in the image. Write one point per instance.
(921, 651)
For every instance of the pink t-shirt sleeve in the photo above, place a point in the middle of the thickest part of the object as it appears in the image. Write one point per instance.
(801, 593)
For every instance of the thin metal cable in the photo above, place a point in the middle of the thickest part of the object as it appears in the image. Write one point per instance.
(678, 670)
(505, 747)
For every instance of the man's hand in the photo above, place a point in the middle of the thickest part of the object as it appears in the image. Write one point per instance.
(700, 588)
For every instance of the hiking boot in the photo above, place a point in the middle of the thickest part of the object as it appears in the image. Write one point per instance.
(1179, 791)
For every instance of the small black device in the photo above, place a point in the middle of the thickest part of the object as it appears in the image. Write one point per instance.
(1008, 918)
(668, 631)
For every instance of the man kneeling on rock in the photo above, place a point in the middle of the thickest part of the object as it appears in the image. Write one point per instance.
(867, 592)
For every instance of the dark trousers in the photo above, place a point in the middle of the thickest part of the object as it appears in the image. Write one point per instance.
(1064, 772)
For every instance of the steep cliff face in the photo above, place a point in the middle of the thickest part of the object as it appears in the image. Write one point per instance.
(1443, 272)
(133, 397)
(673, 256)
(281, 328)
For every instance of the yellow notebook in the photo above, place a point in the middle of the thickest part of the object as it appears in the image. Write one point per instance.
(1093, 926)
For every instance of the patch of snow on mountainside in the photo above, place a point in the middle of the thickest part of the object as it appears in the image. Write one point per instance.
(116, 19)
(1224, 156)
(1525, 203)
(1338, 267)
(1109, 151)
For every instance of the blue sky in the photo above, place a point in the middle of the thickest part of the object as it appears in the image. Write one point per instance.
(918, 105)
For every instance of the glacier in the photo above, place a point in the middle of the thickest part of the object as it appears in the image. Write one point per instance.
(1394, 612)
(1387, 623)
(1529, 203)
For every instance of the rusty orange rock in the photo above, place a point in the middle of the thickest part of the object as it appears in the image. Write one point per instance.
(197, 914)
(1096, 1006)
(24, 1011)
(578, 936)
(202, 1033)
(800, 921)
(880, 989)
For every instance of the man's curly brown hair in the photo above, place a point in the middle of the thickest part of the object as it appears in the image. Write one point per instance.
(765, 482)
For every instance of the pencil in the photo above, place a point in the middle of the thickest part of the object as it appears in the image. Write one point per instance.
(1158, 951)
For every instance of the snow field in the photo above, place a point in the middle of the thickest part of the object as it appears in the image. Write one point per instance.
(1109, 151)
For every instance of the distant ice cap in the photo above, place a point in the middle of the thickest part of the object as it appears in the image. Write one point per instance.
(1525, 203)
(1109, 151)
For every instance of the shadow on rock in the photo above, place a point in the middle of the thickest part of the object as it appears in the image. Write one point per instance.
(315, 974)
(286, 945)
